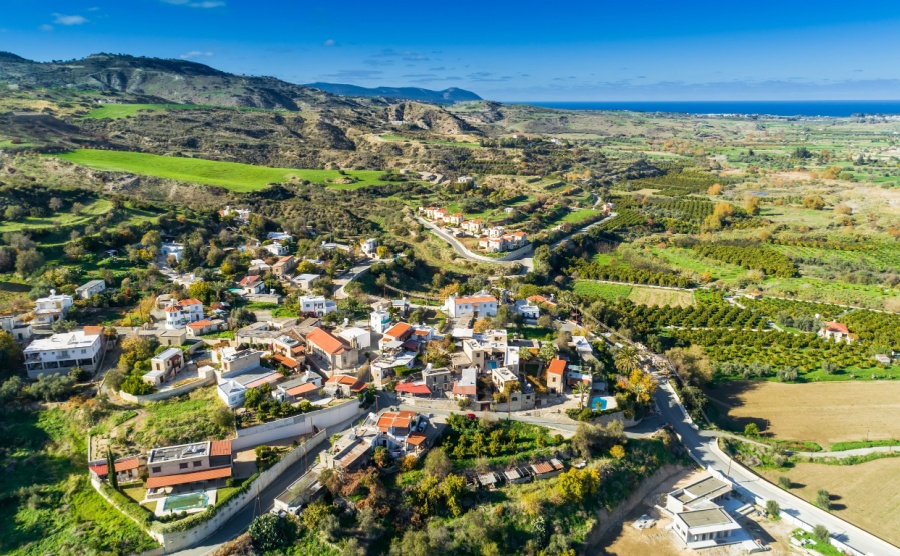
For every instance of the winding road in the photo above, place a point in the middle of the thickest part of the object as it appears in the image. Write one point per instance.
(519, 256)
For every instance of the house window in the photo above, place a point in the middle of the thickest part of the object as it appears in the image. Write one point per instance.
(156, 469)
(182, 466)
(198, 463)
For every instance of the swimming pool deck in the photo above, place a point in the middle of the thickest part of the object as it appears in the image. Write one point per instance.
(161, 509)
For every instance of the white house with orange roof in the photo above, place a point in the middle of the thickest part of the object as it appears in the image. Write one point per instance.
(479, 305)
(473, 226)
(837, 331)
(251, 285)
(181, 313)
(456, 218)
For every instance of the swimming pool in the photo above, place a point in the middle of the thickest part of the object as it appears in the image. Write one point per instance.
(598, 403)
(183, 502)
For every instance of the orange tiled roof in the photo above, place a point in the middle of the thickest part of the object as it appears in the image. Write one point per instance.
(837, 327)
(286, 361)
(172, 309)
(342, 379)
(481, 299)
(398, 330)
(93, 330)
(285, 258)
(220, 448)
(416, 439)
(200, 324)
(326, 341)
(402, 420)
(184, 478)
(557, 367)
(359, 387)
(248, 280)
(302, 389)
(121, 465)
(186, 302)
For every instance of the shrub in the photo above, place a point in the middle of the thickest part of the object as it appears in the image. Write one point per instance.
(773, 509)
(784, 482)
(821, 533)
(823, 499)
(270, 532)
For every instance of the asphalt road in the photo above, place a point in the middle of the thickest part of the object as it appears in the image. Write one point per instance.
(706, 452)
(241, 521)
(351, 275)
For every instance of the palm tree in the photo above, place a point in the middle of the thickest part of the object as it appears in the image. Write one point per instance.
(581, 389)
(626, 360)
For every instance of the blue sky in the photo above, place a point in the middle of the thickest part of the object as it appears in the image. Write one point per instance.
(562, 50)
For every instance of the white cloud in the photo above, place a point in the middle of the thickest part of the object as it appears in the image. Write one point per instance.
(190, 4)
(330, 42)
(62, 19)
(195, 54)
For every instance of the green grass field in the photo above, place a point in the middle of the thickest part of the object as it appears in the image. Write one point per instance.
(234, 176)
(600, 290)
(116, 111)
(63, 218)
(578, 216)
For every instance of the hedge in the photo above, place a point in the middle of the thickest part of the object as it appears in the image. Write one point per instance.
(127, 506)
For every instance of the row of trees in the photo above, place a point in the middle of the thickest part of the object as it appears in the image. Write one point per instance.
(771, 262)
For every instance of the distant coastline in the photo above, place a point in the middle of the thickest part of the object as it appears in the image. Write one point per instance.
(829, 108)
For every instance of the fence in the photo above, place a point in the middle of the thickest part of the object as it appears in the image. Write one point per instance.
(210, 378)
(295, 426)
(174, 540)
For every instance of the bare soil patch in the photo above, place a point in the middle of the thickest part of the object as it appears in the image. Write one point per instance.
(866, 494)
(824, 412)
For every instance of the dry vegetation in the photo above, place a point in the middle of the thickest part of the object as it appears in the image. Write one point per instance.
(866, 494)
(819, 412)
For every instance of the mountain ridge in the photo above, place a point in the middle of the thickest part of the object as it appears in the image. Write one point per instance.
(418, 94)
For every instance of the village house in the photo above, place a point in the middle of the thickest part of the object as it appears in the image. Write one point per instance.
(474, 227)
(305, 281)
(276, 248)
(400, 332)
(369, 246)
(479, 305)
(285, 266)
(486, 351)
(93, 287)
(316, 304)
(205, 326)
(528, 311)
(501, 376)
(380, 320)
(706, 528)
(357, 338)
(837, 331)
(264, 332)
(180, 313)
(495, 231)
(240, 216)
(127, 469)
(701, 494)
(232, 393)
(164, 366)
(59, 353)
(171, 249)
(456, 218)
(556, 376)
(467, 385)
(52, 308)
(232, 361)
(344, 386)
(437, 380)
(188, 467)
(306, 387)
(258, 267)
(20, 331)
(541, 300)
(329, 353)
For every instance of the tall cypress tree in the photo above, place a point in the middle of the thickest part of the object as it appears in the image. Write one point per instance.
(111, 469)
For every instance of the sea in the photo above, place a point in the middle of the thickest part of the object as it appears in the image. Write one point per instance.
(830, 108)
